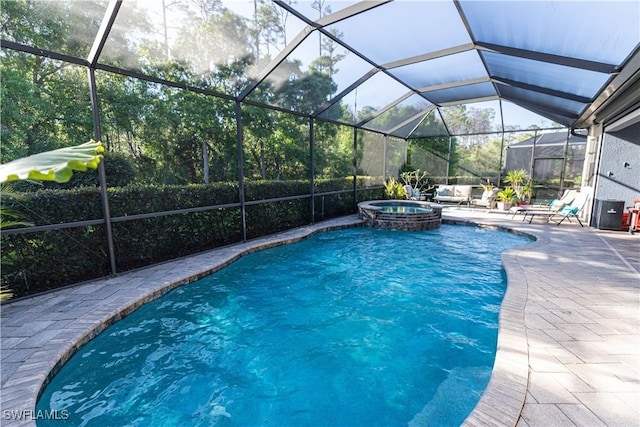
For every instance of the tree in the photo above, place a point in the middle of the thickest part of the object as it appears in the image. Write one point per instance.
(213, 42)
(38, 93)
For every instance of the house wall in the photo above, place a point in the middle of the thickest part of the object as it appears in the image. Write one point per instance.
(619, 169)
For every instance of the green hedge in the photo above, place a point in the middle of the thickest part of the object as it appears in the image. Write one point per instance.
(35, 262)
(38, 261)
(142, 242)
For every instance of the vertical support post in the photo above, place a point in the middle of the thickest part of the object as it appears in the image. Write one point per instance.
(205, 160)
(446, 178)
(312, 173)
(239, 139)
(106, 212)
(532, 163)
(564, 161)
(501, 161)
(384, 157)
(406, 153)
(355, 168)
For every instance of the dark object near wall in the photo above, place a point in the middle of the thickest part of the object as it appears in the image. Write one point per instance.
(610, 214)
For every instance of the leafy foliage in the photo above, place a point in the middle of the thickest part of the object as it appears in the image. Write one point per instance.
(522, 186)
(394, 189)
(57, 165)
(10, 217)
(506, 195)
(48, 259)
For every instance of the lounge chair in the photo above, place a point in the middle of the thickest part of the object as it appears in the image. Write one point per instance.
(488, 199)
(453, 193)
(567, 212)
(573, 210)
(555, 205)
(413, 193)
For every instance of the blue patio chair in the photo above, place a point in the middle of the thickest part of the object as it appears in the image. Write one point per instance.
(572, 210)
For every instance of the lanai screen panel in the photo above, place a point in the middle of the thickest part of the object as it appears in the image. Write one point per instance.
(556, 108)
(516, 117)
(317, 10)
(476, 158)
(559, 54)
(431, 126)
(600, 31)
(204, 45)
(409, 127)
(400, 114)
(67, 27)
(371, 156)
(368, 98)
(403, 29)
(396, 156)
(430, 155)
(555, 77)
(470, 119)
(455, 95)
(442, 71)
(553, 58)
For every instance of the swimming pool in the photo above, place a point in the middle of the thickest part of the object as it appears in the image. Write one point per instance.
(345, 328)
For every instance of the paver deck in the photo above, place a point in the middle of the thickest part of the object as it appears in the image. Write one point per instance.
(569, 337)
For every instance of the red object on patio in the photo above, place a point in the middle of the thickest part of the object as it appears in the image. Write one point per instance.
(632, 221)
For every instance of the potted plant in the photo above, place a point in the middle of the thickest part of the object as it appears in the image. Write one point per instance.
(526, 192)
(505, 198)
(517, 179)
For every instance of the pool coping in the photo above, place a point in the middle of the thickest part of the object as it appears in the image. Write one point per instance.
(41, 333)
(502, 401)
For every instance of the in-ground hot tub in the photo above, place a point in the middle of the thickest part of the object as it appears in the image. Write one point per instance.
(408, 215)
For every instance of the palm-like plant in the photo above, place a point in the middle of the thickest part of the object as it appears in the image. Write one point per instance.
(515, 179)
(8, 216)
(506, 195)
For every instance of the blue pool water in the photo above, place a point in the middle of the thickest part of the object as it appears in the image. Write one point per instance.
(357, 327)
(403, 209)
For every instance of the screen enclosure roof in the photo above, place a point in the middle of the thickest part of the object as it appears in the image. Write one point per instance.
(401, 68)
